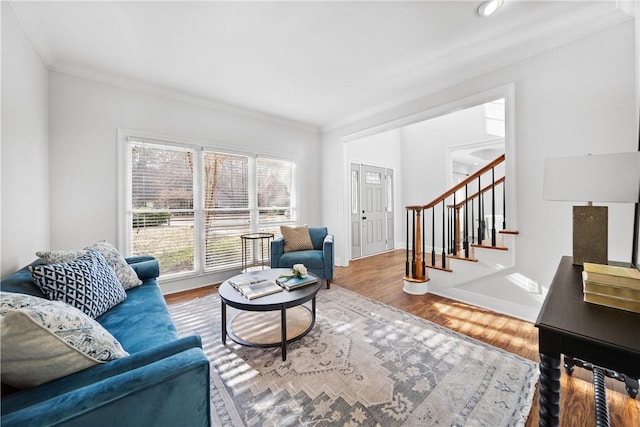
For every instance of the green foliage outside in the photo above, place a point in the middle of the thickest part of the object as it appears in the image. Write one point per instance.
(175, 261)
(149, 219)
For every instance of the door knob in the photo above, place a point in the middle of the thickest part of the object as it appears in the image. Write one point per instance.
(364, 217)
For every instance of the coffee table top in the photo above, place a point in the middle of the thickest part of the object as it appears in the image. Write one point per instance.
(277, 301)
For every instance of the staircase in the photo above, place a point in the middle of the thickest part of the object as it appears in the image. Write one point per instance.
(459, 247)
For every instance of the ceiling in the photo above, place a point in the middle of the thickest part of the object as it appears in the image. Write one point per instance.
(319, 64)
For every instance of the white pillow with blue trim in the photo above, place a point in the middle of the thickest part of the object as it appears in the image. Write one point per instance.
(43, 340)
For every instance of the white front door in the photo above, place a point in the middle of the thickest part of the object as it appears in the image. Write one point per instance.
(373, 208)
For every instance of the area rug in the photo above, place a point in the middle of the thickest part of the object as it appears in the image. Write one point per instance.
(363, 364)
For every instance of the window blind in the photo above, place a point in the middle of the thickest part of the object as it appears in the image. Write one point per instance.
(226, 207)
(276, 192)
(162, 210)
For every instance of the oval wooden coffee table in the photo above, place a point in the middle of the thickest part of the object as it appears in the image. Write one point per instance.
(279, 301)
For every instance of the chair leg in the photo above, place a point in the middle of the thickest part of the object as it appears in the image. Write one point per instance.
(328, 283)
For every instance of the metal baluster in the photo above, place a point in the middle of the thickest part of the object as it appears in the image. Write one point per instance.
(454, 220)
(443, 236)
(465, 242)
(504, 205)
(433, 236)
(479, 212)
(473, 230)
(493, 207)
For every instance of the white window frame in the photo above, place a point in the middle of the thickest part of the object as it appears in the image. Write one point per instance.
(124, 189)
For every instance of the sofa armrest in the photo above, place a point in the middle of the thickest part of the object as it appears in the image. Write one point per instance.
(327, 255)
(25, 398)
(146, 267)
(277, 250)
(168, 392)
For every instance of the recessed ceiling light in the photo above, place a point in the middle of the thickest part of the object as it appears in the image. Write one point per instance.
(487, 8)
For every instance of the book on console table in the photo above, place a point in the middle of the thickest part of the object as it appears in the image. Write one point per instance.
(290, 283)
(623, 277)
(613, 302)
(611, 291)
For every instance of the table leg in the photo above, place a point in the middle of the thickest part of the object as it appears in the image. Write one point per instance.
(600, 393)
(283, 331)
(549, 391)
(224, 322)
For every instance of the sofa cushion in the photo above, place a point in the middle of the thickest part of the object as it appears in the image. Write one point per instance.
(125, 274)
(296, 238)
(142, 321)
(312, 259)
(86, 283)
(43, 340)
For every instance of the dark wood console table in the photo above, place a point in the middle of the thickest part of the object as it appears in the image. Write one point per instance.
(603, 336)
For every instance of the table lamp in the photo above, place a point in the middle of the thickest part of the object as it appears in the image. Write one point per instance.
(606, 178)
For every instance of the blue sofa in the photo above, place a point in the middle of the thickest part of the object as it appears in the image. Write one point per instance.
(163, 382)
(318, 260)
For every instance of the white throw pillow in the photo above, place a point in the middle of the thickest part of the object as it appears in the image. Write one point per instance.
(44, 340)
(124, 272)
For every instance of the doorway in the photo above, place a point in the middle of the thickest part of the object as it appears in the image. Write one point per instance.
(371, 210)
(400, 145)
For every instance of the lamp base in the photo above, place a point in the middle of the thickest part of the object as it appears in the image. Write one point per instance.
(590, 234)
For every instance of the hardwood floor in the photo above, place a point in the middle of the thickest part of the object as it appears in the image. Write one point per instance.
(380, 277)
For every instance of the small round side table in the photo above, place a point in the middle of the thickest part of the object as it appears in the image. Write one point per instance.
(252, 237)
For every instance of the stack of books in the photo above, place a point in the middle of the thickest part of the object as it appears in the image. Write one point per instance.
(256, 286)
(612, 286)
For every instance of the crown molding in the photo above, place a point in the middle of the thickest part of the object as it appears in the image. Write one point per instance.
(176, 95)
(503, 51)
(32, 26)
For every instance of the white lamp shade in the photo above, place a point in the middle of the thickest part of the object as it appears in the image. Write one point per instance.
(607, 178)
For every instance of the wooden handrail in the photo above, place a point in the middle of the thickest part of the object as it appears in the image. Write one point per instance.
(482, 191)
(460, 185)
(451, 230)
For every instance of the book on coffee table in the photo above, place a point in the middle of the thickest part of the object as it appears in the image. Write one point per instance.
(247, 280)
(290, 283)
(259, 289)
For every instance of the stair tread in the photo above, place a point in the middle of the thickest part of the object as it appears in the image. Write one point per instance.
(508, 232)
(498, 248)
(462, 258)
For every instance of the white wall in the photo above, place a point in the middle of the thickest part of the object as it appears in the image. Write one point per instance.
(383, 150)
(25, 151)
(84, 118)
(571, 100)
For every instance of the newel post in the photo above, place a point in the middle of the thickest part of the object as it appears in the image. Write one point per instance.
(415, 281)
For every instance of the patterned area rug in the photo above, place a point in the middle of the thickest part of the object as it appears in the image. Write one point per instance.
(363, 364)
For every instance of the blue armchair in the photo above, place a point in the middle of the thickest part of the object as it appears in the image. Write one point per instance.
(318, 260)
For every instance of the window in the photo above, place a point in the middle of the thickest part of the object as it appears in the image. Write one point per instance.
(188, 205)
(226, 208)
(494, 117)
(275, 193)
(162, 209)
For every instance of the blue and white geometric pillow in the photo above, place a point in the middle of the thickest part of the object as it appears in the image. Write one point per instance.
(86, 283)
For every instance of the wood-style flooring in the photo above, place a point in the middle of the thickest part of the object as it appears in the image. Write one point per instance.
(380, 277)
